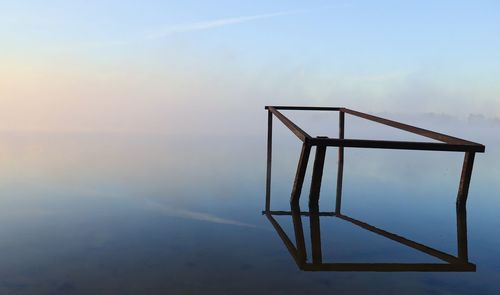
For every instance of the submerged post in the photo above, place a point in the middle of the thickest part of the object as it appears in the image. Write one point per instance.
(314, 224)
(463, 189)
(340, 168)
(299, 235)
(317, 175)
(269, 158)
(462, 250)
(300, 174)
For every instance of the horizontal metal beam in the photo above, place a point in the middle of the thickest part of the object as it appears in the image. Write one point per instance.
(400, 145)
(417, 246)
(450, 143)
(301, 134)
(412, 129)
(300, 108)
(302, 213)
(389, 267)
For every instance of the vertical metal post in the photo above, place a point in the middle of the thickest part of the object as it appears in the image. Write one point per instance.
(317, 256)
(299, 235)
(269, 158)
(462, 233)
(301, 172)
(340, 169)
(463, 189)
(317, 175)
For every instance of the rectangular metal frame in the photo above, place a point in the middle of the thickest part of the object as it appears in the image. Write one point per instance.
(447, 143)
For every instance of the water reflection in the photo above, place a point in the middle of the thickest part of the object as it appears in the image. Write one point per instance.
(460, 262)
(316, 263)
(129, 215)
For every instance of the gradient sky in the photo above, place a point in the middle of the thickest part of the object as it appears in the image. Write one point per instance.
(189, 66)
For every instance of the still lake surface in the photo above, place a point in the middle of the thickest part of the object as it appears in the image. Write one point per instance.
(178, 214)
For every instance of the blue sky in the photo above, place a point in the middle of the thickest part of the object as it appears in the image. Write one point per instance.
(88, 65)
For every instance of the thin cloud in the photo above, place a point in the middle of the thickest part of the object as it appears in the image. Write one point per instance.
(206, 25)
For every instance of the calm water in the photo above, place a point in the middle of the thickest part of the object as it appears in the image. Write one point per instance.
(157, 214)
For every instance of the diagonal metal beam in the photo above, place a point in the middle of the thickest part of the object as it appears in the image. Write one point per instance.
(300, 174)
(409, 128)
(301, 134)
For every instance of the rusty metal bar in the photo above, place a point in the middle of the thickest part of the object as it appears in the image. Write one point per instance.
(299, 235)
(340, 164)
(269, 158)
(399, 145)
(463, 188)
(301, 134)
(412, 129)
(390, 267)
(431, 251)
(302, 213)
(301, 108)
(462, 248)
(300, 174)
(315, 231)
(317, 175)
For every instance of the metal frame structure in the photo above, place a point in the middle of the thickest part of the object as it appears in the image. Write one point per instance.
(447, 143)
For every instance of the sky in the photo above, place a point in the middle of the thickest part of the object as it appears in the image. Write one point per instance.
(202, 67)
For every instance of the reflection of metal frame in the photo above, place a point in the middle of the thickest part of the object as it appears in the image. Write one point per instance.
(298, 251)
(448, 143)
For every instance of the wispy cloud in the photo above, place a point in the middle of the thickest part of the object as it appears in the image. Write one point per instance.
(206, 25)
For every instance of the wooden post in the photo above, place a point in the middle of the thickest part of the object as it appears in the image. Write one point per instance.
(301, 172)
(317, 175)
(463, 189)
(462, 233)
(340, 169)
(269, 158)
